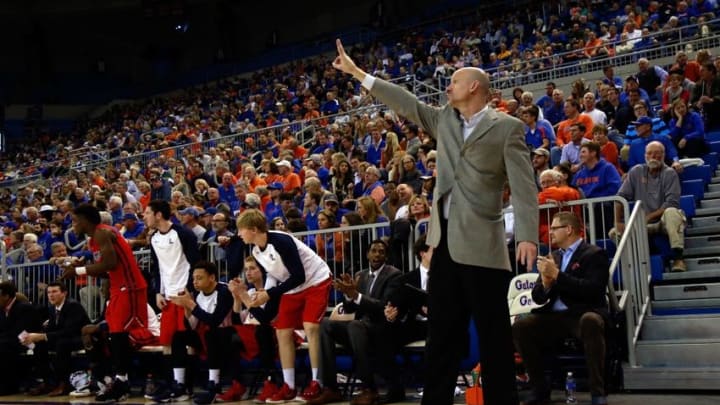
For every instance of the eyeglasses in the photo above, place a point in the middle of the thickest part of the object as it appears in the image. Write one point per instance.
(555, 228)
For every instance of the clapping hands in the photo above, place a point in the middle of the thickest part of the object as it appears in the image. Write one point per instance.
(347, 285)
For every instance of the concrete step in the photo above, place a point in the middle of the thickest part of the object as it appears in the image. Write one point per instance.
(690, 291)
(703, 251)
(703, 263)
(681, 327)
(679, 352)
(698, 268)
(711, 195)
(702, 245)
(710, 202)
(699, 222)
(670, 378)
(703, 212)
(691, 276)
(702, 241)
(712, 187)
(699, 305)
(702, 230)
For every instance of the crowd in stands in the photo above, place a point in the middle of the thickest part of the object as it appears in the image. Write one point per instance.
(363, 166)
(525, 40)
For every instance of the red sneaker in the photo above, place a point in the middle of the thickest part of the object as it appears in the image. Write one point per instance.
(268, 390)
(312, 391)
(233, 394)
(285, 394)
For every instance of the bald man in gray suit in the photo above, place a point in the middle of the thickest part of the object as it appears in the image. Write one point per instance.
(479, 149)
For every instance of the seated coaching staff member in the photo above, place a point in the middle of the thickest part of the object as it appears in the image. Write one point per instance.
(16, 315)
(571, 286)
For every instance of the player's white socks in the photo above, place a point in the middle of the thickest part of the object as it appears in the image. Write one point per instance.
(315, 374)
(214, 375)
(289, 377)
(179, 375)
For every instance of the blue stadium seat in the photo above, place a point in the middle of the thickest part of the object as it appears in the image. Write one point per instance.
(608, 245)
(715, 147)
(711, 159)
(657, 267)
(687, 204)
(611, 249)
(703, 173)
(696, 188)
(660, 245)
(712, 136)
(473, 356)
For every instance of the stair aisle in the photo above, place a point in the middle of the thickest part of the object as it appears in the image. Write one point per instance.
(679, 345)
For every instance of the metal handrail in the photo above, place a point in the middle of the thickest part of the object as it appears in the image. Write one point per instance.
(634, 243)
(3, 261)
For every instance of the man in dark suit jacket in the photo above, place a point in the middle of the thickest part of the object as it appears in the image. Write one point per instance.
(16, 315)
(365, 296)
(62, 334)
(406, 314)
(478, 150)
(571, 287)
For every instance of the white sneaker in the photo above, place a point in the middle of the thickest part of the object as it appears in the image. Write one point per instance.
(85, 392)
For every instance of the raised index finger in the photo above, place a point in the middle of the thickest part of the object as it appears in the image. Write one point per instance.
(340, 48)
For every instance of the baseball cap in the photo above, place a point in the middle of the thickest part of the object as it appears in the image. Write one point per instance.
(331, 198)
(642, 120)
(316, 158)
(284, 163)
(11, 224)
(190, 211)
(209, 211)
(541, 151)
(129, 216)
(47, 208)
(275, 186)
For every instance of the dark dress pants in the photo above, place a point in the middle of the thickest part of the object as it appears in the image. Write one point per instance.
(537, 334)
(458, 292)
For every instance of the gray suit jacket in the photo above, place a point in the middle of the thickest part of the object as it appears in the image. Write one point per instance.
(474, 171)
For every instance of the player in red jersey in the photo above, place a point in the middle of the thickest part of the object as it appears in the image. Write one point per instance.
(127, 308)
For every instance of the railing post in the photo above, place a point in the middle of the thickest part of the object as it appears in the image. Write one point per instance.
(3, 261)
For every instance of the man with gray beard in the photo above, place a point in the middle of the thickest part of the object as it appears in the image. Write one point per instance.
(220, 224)
(658, 187)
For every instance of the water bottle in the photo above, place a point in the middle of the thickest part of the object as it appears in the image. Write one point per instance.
(570, 389)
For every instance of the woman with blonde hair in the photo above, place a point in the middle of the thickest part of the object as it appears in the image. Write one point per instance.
(687, 131)
(392, 145)
(419, 209)
(371, 213)
(181, 184)
(201, 186)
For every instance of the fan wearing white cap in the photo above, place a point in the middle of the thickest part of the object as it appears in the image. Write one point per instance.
(290, 179)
